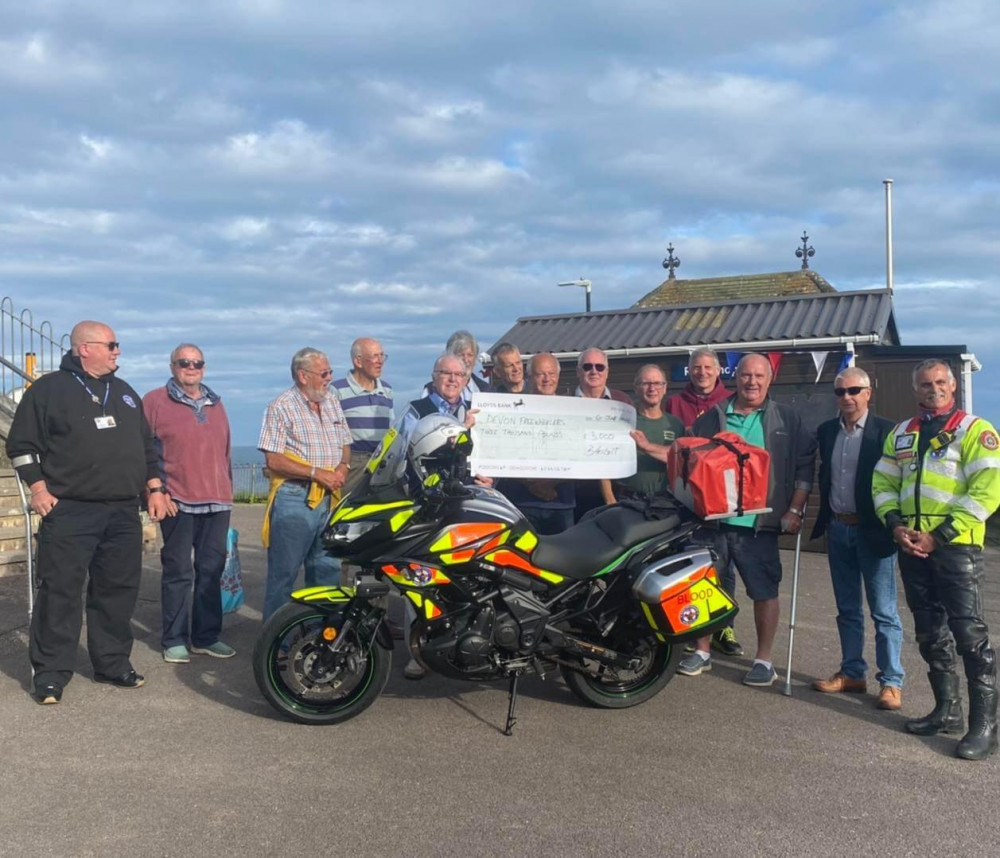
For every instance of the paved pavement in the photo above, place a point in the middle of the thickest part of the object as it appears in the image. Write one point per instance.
(196, 763)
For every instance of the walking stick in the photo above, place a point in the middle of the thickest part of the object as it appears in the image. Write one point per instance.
(787, 690)
(28, 550)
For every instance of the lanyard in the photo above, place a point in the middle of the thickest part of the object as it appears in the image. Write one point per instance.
(107, 390)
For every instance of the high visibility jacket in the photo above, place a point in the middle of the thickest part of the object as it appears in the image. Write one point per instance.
(951, 489)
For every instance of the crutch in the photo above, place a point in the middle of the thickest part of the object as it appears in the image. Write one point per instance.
(787, 690)
(28, 550)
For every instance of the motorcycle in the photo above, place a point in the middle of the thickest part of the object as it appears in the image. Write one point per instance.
(608, 602)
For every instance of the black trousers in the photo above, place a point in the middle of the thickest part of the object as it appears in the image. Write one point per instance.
(943, 592)
(192, 616)
(98, 543)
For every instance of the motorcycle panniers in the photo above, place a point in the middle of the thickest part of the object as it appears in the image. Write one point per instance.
(719, 477)
(681, 597)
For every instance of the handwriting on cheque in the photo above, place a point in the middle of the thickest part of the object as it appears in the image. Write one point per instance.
(552, 436)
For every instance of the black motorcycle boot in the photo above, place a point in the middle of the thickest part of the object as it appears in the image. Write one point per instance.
(981, 740)
(946, 716)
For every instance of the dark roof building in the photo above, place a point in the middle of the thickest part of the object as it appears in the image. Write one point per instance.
(822, 320)
(806, 327)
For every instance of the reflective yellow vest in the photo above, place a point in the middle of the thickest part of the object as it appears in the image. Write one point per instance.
(959, 477)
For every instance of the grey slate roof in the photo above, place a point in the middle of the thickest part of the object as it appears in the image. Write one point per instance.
(737, 287)
(865, 313)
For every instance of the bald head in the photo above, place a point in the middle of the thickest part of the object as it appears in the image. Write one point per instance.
(368, 359)
(753, 379)
(94, 343)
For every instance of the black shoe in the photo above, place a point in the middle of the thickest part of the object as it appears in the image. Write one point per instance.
(126, 680)
(947, 716)
(48, 693)
(981, 740)
(726, 643)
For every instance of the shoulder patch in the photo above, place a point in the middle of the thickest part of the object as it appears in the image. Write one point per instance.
(128, 400)
(989, 440)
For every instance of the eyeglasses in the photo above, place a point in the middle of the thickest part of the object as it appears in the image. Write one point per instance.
(326, 373)
(594, 367)
(854, 391)
(112, 346)
(184, 363)
(445, 374)
(379, 357)
(652, 384)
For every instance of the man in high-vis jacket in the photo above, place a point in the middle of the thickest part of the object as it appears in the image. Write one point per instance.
(937, 483)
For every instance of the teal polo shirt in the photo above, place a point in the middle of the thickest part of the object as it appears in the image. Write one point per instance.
(750, 427)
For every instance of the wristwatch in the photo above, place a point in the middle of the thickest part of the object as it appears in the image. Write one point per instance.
(155, 489)
(799, 512)
(345, 465)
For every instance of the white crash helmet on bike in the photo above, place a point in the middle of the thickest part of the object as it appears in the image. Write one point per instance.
(435, 442)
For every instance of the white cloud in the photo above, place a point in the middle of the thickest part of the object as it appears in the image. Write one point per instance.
(306, 172)
(290, 150)
(38, 60)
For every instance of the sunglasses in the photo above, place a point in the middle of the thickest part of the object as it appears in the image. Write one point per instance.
(326, 373)
(594, 367)
(112, 346)
(184, 363)
(854, 391)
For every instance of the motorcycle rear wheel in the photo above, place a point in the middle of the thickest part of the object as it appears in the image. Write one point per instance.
(285, 666)
(615, 688)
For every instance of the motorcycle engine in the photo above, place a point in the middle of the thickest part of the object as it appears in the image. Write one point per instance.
(473, 646)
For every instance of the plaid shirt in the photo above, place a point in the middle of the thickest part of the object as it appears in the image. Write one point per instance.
(291, 426)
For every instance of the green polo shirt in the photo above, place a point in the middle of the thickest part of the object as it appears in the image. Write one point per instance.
(750, 427)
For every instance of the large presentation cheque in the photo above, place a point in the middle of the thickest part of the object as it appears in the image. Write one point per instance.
(552, 436)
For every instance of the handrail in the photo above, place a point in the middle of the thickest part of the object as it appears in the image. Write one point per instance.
(26, 352)
(16, 369)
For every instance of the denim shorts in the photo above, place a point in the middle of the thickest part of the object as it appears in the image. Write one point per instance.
(755, 556)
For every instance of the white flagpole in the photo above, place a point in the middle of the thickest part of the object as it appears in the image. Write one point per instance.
(888, 234)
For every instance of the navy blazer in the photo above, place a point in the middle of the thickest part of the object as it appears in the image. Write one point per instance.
(878, 539)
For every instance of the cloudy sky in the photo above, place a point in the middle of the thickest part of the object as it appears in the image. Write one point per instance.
(259, 175)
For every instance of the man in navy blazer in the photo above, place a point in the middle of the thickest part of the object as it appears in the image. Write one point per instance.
(861, 551)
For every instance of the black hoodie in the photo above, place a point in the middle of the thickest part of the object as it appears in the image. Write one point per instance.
(55, 421)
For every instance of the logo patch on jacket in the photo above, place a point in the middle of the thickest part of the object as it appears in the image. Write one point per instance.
(128, 400)
(989, 440)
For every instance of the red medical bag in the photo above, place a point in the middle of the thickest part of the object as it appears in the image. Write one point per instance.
(719, 477)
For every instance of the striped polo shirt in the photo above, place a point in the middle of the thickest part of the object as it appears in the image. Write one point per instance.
(368, 412)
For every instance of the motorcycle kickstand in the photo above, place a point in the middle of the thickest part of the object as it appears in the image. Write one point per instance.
(512, 697)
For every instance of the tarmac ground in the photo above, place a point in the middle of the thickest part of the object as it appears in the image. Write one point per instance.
(197, 763)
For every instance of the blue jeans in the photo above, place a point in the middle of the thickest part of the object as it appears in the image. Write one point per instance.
(546, 520)
(192, 616)
(296, 540)
(851, 564)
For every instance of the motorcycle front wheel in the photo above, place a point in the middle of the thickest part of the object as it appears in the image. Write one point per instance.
(296, 678)
(619, 688)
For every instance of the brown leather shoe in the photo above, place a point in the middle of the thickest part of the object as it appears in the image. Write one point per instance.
(890, 697)
(838, 683)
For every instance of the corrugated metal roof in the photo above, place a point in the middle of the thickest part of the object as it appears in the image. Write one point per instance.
(737, 287)
(865, 313)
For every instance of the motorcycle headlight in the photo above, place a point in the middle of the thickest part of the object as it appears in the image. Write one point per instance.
(347, 531)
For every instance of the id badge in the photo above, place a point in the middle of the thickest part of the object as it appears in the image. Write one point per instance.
(105, 421)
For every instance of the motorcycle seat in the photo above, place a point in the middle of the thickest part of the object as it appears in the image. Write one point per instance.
(589, 546)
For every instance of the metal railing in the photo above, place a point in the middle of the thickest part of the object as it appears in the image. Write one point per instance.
(26, 352)
(250, 483)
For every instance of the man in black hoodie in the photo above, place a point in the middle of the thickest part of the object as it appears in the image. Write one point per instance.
(80, 441)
